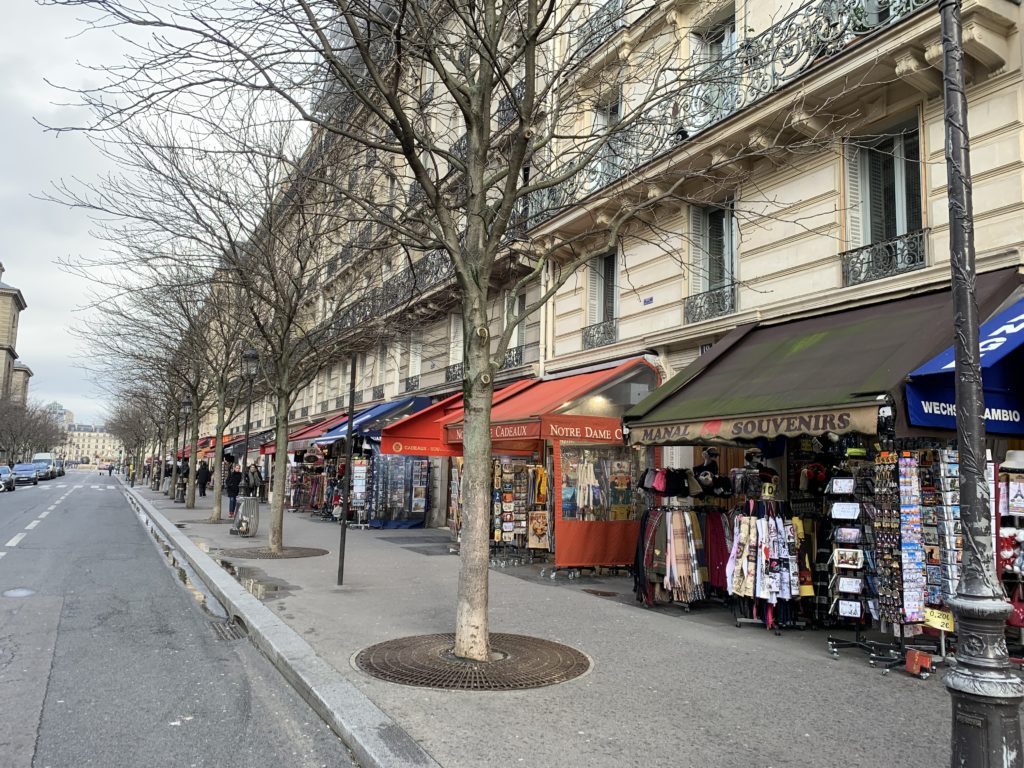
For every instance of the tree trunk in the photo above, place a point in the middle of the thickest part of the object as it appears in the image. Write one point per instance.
(193, 460)
(472, 640)
(218, 459)
(158, 461)
(280, 474)
(175, 462)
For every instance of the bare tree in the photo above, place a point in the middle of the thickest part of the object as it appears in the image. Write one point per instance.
(508, 137)
(25, 429)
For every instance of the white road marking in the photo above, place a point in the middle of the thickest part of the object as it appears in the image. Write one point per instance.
(94, 487)
(43, 514)
(51, 507)
(31, 525)
(2, 554)
(110, 487)
(14, 542)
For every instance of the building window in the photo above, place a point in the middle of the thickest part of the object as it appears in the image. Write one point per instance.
(455, 346)
(883, 187)
(712, 248)
(713, 49)
(415, 354)
(518, 337)
(602, 289)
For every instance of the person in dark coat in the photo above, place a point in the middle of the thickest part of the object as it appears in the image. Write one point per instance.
(231, 486)
(202, 477)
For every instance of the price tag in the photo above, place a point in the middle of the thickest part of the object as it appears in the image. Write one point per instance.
(937, 619)
(845, 510)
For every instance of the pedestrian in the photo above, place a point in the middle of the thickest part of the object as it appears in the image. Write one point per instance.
(110, 469)
(202, 477)
(231, 485)
(255, 479)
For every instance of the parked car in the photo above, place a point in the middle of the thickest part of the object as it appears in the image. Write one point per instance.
(60, 467)
(46, 469)
(26, 473)
(7, 479)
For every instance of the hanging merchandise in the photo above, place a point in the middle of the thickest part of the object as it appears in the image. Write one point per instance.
(519, 503)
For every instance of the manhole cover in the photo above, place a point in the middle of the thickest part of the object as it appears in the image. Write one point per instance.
(601, 592)
(262, 553)
(19, 592)
(227, 631)
(427, 661)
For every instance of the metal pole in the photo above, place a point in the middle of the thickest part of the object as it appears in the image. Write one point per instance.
(985, 695)
(346, 482)
(245, 442)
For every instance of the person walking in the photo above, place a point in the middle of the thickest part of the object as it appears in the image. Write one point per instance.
(255, 479)
(231, 485)
(110, 469)
(202, 477)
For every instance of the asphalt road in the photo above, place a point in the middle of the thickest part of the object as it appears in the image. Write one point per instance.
(107, 660)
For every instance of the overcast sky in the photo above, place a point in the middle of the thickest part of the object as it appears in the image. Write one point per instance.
(38, 44)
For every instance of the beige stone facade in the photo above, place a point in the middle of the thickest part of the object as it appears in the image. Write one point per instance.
(91, 443)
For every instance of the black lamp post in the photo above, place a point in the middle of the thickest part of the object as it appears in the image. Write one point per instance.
(250, 367)
(986, 695)
(179, 490)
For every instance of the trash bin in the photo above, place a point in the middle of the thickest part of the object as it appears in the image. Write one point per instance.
(247, 516)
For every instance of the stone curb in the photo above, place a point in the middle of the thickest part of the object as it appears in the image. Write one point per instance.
(376, 739)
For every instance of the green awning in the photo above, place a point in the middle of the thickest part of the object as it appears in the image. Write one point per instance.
(806, 376)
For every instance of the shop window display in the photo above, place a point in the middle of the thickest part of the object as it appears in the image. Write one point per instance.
(597, 483)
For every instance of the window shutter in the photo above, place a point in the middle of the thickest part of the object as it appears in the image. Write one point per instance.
(455, 340)
(912, 171)
(698, 261)
(854, 198)
(610, 288)
(415, 355)
(595, 281)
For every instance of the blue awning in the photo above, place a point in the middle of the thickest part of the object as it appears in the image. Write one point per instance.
(371, 421)
(930, 388)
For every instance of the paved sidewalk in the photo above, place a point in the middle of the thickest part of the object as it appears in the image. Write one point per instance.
(666, 688)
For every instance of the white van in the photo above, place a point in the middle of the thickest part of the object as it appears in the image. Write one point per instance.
(46, 464)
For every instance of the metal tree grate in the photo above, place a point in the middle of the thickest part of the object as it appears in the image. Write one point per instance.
(427, 661)
(262, 553)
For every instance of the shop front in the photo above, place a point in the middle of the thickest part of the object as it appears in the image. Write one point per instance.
(818, 498)
(563, 476)
(387, 491)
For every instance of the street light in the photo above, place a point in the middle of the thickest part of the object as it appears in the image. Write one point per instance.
(986, 695)
(179, 491)
(250, 367)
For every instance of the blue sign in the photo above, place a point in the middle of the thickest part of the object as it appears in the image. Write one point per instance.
(931, 394)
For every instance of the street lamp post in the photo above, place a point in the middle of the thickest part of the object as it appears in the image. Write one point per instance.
(986, 695)
(179, 491)
(250, 367)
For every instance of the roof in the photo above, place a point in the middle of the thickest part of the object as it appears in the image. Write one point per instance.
(4, 287)
(305, 433)
(839, 359)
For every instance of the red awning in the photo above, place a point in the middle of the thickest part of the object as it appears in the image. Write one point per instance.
(422, 434)
(308, 432)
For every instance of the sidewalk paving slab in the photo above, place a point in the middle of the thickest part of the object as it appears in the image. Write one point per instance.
(666, 688)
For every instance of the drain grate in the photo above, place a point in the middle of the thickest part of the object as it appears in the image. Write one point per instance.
(521, 662)
(601, 592)
(262, 553)
(226, 631)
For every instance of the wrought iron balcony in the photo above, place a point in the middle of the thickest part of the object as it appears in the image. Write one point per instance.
(760, 66)
(513, 357)
(454, 374)
(710, 304)
(358, 399)
(598, 27)
(601, 334)
(339, 402)
(410, 383)
(378, 392)
(507, 111)
(885, 259)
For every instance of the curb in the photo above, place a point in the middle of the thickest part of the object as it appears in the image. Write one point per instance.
(376, 739)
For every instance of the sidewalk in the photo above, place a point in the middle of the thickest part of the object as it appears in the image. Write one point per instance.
(666, 688)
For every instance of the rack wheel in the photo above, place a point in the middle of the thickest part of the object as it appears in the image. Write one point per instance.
(885, 671)
(738, 625)
(871, 662)
(543, 572)
(553, 574)
(924, 675)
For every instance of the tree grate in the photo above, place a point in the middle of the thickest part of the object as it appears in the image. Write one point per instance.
(227, 630)
(427, 661)
(263, 553)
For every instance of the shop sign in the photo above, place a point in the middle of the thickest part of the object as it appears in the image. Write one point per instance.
(406, 448)
(941, 620)
(583, 429)
(863, 419)
(518, 431)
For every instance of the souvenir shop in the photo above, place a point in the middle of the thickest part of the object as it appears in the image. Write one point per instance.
(564, 480)
(814, 486)
(309, 471)
(388, 491)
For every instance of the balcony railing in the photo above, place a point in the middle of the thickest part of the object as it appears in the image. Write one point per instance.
(890, 257)
(601, 334)
(598, 27)
(455, 373)
(358, 399)
(513, 357)
(410, 383)
(710, 304)
(759, 67)
(507, 111)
